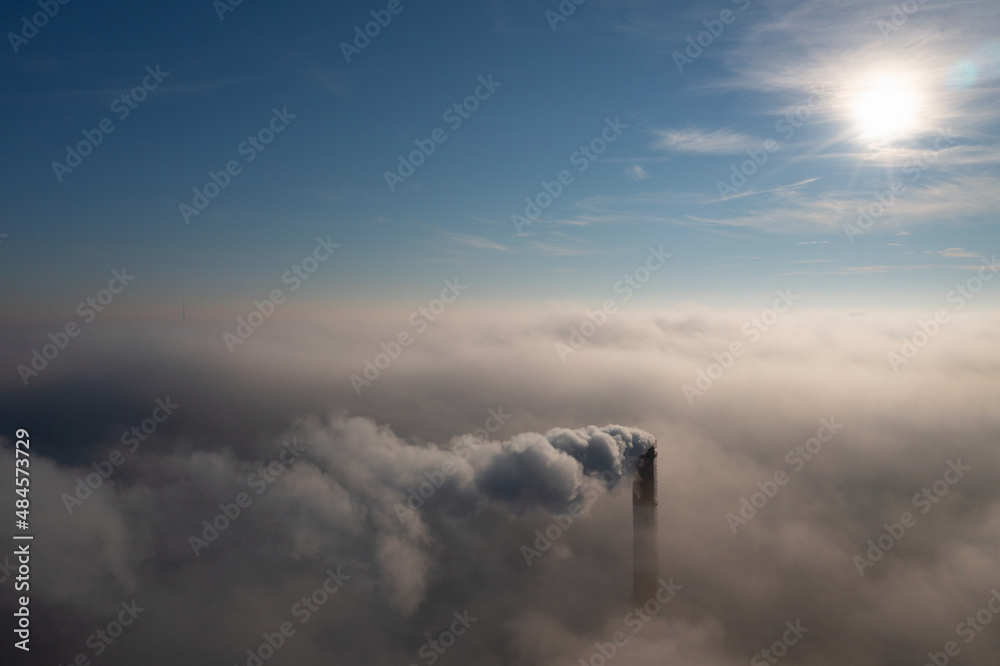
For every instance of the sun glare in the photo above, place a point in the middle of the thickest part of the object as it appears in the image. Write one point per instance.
(887, 107)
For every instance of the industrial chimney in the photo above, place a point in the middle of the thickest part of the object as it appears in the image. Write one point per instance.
(645, 562)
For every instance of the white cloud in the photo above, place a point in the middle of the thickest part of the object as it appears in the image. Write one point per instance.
(959, 253)
(701, 142)
(462, 548)
(558, 250)
(636, 172)
(477, 242)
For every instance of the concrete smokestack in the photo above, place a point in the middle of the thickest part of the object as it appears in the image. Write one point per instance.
(645, 560)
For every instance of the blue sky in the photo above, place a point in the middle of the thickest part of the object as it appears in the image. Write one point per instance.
(873, 91)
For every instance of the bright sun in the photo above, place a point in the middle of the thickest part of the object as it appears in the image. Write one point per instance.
(886, 107)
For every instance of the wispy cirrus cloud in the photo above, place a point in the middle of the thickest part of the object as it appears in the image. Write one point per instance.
(477, 242)
(558, 250)
(877, 269)
(701, 142)
(958, 253)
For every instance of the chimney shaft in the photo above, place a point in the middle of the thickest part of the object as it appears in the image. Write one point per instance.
(645, 561)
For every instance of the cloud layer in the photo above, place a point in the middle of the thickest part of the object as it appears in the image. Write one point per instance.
(484, 411)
